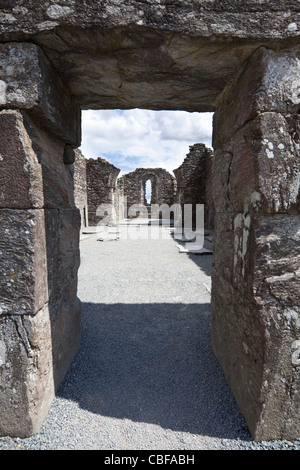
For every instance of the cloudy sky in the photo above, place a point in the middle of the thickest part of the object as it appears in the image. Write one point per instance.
(143, 138)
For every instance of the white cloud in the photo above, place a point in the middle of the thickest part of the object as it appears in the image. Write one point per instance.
(143, 138)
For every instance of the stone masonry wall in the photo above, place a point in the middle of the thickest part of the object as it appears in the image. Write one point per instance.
(101, 187)
(193, 180)
(39, 237)
(256, 274)
(39, 310)
(80, 187)
(163, 186)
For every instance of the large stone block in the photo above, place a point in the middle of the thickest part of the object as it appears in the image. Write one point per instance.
(220, 172)
(255, 346)
(23, 270)
(64, 306)
(39, 239)
(259, 87)
(228, 19)
(32, 171)
(35, 354)
(21, 179)
(223, 244)
(255, 281)
(28, 81)
(58, 183)
(40, 313)
(63, 254)
(255, 318)
(26, 372)
(276, 244)
(265, 169)
(237, 336)
(259, 255)
(157, 54)
(213, 18)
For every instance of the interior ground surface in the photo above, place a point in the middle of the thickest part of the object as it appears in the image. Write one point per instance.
(145, 377)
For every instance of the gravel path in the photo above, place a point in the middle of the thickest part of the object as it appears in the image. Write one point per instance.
(145, 377)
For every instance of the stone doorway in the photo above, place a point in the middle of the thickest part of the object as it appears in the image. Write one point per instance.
(80, 56)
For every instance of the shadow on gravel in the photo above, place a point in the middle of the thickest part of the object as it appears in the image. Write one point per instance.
(203, 261)
(153, 363)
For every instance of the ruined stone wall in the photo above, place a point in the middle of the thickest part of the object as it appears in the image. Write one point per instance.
(193, 180)
(39, 237)
(255, 281)
(101, 187)
(133, 186)
(80, 187)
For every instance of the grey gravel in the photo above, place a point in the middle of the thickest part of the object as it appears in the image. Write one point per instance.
(145, 377)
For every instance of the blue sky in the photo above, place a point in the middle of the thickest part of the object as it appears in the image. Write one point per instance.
(143, 138)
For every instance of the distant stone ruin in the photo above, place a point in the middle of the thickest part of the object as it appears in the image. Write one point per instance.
(101, 177)
(133, 187)
(193, 181)
(106, 198)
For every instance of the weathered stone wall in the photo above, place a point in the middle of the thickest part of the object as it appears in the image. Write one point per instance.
(80, 187)
(256, 282)
(39, 238)
(212, 17)
(40, 312)
(193, 180)
(149, 54)
(101, 187)
(133, 187)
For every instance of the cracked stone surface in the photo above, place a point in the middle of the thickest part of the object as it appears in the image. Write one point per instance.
(151, 54)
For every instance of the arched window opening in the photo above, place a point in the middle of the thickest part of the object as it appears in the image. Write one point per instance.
(148, 192)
